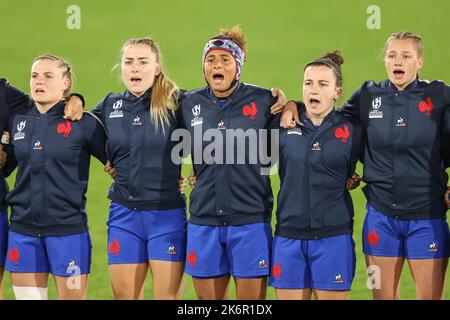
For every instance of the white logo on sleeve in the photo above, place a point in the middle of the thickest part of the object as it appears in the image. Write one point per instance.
(117, 107)
(19, 135)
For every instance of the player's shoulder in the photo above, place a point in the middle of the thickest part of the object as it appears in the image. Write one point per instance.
(251, 89)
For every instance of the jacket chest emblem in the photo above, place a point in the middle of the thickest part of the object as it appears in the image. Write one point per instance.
(342, 133)
(196, 111)
(221, 125)
(117, 110)
(401, 122)
(250, 111)
(20, 135)
(137, 121)
(64, 128)
(426, 106)
(375, 113)
(38, 145)
(316, 146)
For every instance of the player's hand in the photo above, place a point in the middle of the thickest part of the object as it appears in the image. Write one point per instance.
(73, 109)
(281, 102)
(353, 182)
(289, 117)
(110, 170)
(182, 184)
(447, 197)
(2, 157)
(192, 180)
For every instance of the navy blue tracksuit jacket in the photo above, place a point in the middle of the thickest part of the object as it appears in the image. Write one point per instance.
(313, 201)
(146, 177)
(12, 99)
(53, 156)
(228, 194)
(403, 160)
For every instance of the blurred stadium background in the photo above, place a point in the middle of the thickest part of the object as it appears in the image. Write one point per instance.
(283, 35)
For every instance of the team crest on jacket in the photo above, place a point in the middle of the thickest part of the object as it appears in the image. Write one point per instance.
(426, 106)
(375, 113)
(64, 128)
(196, 110)
(19, 135)
(342, 133)
(250, 111)
(221, 125)
(117, 110)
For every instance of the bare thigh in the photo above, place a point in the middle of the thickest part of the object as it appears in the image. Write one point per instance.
(128, 280)
(167, 279)
(212, 288)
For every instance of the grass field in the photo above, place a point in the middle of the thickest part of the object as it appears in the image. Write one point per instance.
(283, 36)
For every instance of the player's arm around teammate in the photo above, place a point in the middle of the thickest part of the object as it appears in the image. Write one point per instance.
(48, 232)
(13, 99)
(229, 234)
(147, 217)
(313, 251)
(404, 172)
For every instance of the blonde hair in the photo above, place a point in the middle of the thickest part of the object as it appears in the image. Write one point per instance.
(416, 39)
(62, 64)
(165, 93)
(237, 35)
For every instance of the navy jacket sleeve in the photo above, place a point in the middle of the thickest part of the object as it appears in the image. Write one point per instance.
(352, 106)
(95, 135)
(100, 110)
(180, 123)
(446, 133)
(11, 162)
(11, 100)
(359, 136)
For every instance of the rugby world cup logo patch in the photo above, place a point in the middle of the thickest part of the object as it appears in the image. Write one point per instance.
(19, 135)
(375, 113)
(197, 120)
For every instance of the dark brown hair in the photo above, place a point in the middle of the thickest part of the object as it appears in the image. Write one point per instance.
(332, 60)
